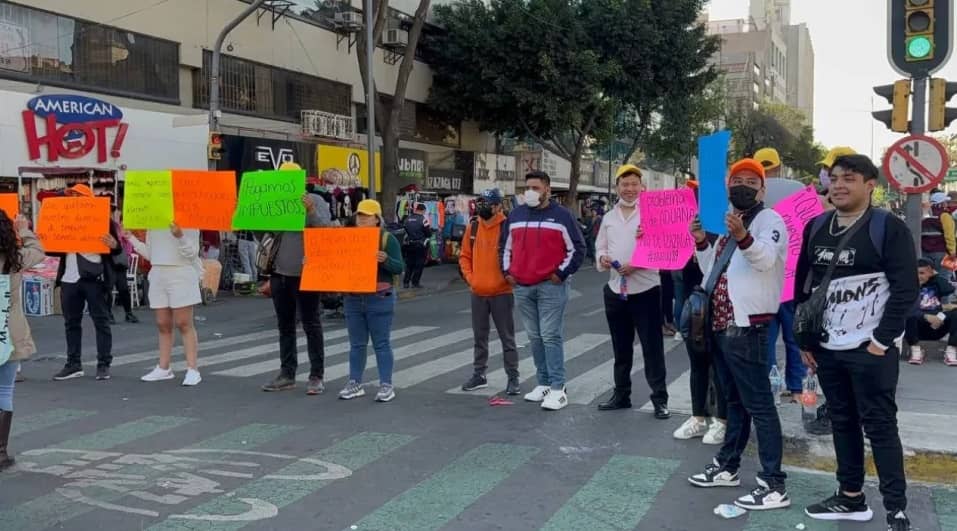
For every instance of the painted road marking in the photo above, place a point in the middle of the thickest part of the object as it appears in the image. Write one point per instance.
(679, 395)
(437, 500)
(586, 387)
(150, 355)
(617, 497)
(341, 370)
(256, 369)
(945, 505)
(497, 379)
(47, 419)
(124, 433)
(251, 352)
(596, 311)
(426, 371)
(803, 489)
(219, 514)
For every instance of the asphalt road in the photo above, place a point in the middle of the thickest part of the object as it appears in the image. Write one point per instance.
(123, 454)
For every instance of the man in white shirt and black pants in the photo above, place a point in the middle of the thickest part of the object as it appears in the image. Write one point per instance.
(632, 299)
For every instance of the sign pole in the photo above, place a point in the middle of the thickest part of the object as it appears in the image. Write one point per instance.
(913, 209)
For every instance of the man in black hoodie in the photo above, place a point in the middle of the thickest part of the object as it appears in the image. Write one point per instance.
(929, 321)
(855, 352)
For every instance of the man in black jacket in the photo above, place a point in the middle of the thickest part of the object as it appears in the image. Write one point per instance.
(929, 321)
(855, 354)
(82, 279)
(417, 231)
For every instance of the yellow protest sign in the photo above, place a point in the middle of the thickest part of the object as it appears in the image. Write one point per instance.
(341, 260)
(346, 167)
(148, 199)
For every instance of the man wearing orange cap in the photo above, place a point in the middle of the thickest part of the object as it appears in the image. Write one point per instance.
(745, 272)
(83, 279)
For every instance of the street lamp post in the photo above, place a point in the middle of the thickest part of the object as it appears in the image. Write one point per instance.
(370, 94)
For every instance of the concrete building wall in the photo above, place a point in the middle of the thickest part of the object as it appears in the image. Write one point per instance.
(801, 70)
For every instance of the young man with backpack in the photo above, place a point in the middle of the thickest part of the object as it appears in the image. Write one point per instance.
(850, 333)
(491, 293)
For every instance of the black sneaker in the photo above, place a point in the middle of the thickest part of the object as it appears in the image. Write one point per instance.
(477, 381)
(103, 373)
(764, 498)
(112, 319)
(898, 522)
(513, 388)
(661, 412)
(280, 383)
(841, 507)
(130, 318)
(68, 373)
(715, 476)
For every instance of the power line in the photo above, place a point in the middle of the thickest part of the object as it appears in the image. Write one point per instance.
(303, 46)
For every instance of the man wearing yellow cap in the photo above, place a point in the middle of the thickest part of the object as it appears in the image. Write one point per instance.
(745, 272)
(776, 186)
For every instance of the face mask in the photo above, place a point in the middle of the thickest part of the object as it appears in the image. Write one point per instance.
(627, 204)
(485, 212)
(532, 198)
(743, 197)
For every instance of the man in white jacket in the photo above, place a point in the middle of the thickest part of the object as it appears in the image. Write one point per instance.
(745, 296)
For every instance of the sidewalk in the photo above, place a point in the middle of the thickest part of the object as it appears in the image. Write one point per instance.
(435, 279)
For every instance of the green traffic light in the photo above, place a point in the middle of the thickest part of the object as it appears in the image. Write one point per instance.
(919, 47)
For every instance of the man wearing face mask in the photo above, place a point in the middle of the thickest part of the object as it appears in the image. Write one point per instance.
(491, 293)
(748, 273)
(632, 299)
(542, 246)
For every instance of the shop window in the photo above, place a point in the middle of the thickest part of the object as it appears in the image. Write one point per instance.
(43, 47)
(247, 87)
(419, 123)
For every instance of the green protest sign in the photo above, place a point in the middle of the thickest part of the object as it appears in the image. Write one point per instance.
(148, 199)
(271, 200)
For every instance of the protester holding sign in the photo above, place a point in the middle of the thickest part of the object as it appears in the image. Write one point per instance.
(632, 298)
(371, 313)
(19, 250)
(174, 290)
(83, 278)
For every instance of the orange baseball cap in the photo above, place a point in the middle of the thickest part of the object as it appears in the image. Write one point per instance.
(747, 165)
(82, 189)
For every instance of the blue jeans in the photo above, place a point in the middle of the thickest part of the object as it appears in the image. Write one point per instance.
(741, 365)
(8, 375)
(370, 315)
(543, 314)
(795, 371)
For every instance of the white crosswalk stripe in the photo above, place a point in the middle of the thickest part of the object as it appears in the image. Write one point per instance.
(427, 371)
(679, 395)
(264, 367)
(497, 379)
(151, 355)
(341, 370)
(271, 348)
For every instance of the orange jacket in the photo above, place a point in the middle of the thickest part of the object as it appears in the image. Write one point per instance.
(480, 265)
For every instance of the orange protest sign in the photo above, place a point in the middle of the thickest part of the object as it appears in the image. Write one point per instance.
(204, 199)
(10, 203)
(74, 224)
(341, 260)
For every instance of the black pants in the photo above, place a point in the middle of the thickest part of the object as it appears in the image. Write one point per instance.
(918, 328)
(122, 288)
(73, 298)
(286, 297)
(703, 378)
(641, 313)
(861, 392)
(667, 304)
(414, 255)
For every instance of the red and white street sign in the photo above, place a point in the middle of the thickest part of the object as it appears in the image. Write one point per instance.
(916, 164)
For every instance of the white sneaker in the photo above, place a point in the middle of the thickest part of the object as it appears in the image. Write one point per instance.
(715, 433)
(916, 356)
(950, 356)
(538, 394)
(555, 399)
(158, 375)
(192, 377)
(690, 429)
(678, 336)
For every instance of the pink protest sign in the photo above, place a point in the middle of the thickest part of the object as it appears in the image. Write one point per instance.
(666, 242)
(797, 210)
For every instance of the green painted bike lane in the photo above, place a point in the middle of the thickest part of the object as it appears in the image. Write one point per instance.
(47, 419)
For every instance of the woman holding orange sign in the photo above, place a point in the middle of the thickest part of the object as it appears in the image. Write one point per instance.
(174, 290)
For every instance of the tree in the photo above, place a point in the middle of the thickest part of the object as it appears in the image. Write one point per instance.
(779, 126)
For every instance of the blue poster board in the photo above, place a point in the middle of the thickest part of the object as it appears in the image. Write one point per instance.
(713, 193)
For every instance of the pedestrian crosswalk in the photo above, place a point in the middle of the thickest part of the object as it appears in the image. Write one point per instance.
(288, 476)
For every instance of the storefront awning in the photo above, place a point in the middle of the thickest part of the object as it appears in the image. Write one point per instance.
(60, 170)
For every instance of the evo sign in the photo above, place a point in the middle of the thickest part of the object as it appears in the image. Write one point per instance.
(274, 157)
(71, 126)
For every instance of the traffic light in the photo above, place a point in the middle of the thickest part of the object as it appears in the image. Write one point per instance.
(214, 148)
(897, 95)
(940, 115)
(920, 36)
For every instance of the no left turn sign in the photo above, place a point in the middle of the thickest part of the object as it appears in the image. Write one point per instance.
(915, 164)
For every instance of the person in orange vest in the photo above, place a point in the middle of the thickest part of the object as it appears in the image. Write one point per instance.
(491, 294)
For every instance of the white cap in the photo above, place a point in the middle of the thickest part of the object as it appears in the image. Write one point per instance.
(937, 198)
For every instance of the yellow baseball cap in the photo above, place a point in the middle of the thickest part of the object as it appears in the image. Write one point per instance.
(834, 154)
(289, 166)
(768, 157)
(625, 169)
(369, 207)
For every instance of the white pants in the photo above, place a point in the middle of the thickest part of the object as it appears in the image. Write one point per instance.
(247, 256)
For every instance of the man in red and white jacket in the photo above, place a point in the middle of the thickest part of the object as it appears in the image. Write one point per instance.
(542, 246)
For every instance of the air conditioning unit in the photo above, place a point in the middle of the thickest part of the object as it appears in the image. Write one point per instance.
(396, 38)
(348, 19)
(328, 125)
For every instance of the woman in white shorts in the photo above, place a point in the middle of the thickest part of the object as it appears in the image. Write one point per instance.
(173, 291)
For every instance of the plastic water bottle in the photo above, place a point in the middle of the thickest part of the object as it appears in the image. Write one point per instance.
(809, 398)
(622, 282)
(776, 384)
